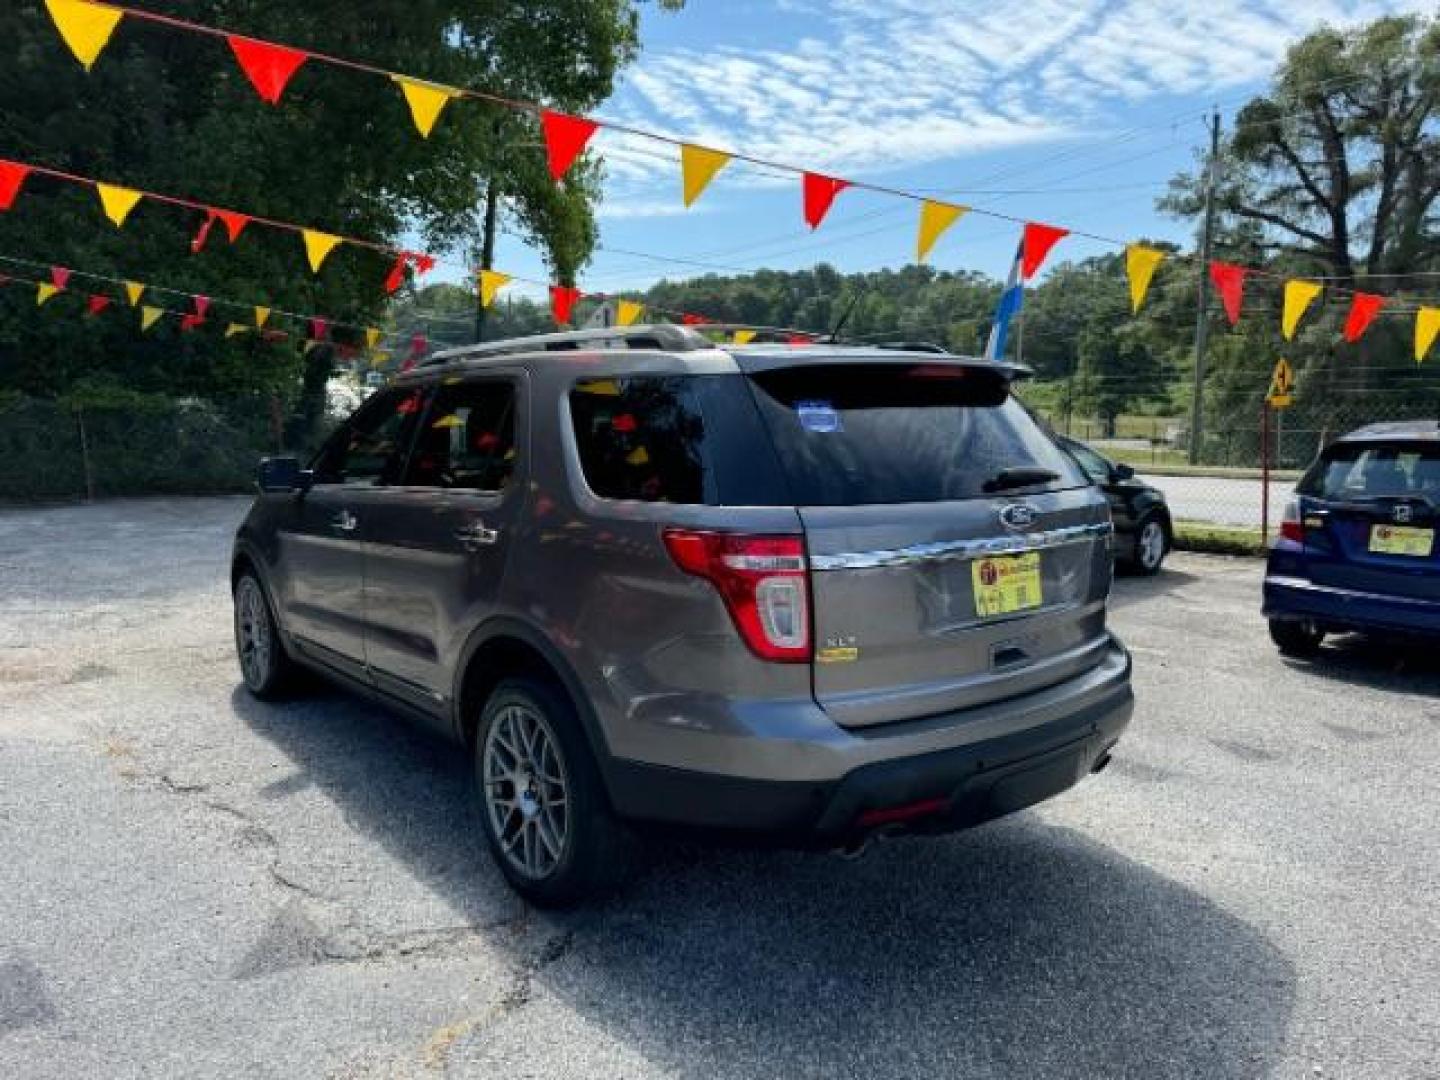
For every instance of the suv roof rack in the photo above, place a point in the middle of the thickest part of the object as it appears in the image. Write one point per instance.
(659, 336)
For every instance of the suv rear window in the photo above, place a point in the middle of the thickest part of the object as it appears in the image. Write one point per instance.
(1357, 472)
(886, 433)
(641, 438)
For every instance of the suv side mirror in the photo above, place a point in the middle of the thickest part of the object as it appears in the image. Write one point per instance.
(282, 474)
(1124, 472)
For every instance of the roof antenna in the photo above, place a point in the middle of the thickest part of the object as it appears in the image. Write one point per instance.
(833, 338)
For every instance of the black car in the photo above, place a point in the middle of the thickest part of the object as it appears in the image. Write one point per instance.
(1143, 531)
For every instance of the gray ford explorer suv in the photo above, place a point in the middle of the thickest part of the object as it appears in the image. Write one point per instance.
(811, 593)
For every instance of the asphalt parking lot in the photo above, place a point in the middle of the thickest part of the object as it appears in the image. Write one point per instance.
(195, 884)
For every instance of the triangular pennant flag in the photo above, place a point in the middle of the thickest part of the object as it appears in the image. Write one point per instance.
(744, 337)
(1363, 309)
(1229, 281)
(190, 322)
(59, 277)
(562, 302)
(198, 244)
(262, 316)
(1039, 239)
(491, 282)
(319, 329)
(318, 247)
(202, 305)
(234, 223)
(819, 192)
(372, 337)
(12, 177)
(698, 166)
(1427, 325)
(86, 27)
(1140, 265)
(418, 344)
(134, 291)
(627, 312)
(268, 67)
(379, 358)
(687, 319)
(1299, 295)
(235, 329)
(148, 317)
(565, 137)
(935, 218)
(396, 277)
(426, 101)
(96, 304)
(117, 201)
(44, 293)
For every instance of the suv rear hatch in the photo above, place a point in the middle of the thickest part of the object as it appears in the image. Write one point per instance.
(957, 555)
(1369, 517)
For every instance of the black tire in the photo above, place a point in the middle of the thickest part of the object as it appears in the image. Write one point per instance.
(1298, 639)
(593, 846)
(1152, 544)
(265, 666)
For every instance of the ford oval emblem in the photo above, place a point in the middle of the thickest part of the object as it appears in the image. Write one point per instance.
(1018, 516)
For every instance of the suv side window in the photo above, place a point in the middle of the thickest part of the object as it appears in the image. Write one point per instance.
(641, 438)
(468, 438)
(370, 448)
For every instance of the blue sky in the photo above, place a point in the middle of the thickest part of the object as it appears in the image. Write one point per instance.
(1073, 112)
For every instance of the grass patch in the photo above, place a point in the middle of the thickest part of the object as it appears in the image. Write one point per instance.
(1218, 539)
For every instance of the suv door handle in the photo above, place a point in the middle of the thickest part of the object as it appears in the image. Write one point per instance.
(344, 521)
(476, 535)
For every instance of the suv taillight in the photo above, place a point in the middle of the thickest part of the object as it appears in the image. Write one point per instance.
(1291, 528)
(764, 581)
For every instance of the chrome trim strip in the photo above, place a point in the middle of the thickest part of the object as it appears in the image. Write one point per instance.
(961, 549)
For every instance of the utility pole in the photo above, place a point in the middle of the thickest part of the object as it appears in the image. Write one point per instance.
(1202, 317)
(487, 252)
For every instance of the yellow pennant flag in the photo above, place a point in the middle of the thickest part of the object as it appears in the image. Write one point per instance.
(236, 328)
(372, 337)
(744, 337)
(1299, 295)
(318, 246)
(149, 316)
(262, 316)
(627, 311)
(1427, 325)
(44, 293)
(86, 27)
(426, 101)
(117, 201)
(134, 291)
(698, 166)
(491, 282)
(379, 357)
(1140, 265)
(935, 218)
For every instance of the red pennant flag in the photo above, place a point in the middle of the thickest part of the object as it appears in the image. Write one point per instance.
(1363, 310)
(422, 263)
(1229, 279)
(268, 67)
(60, 276)
(12, 176)
(693, 320)
(565, 137)
(562, 302)
(820, 192)
(202, 305)
(319, 330)
(418, 344)
(190, 322)
(96, 304)
(234, 223)
(1039, 239)
(198, 244)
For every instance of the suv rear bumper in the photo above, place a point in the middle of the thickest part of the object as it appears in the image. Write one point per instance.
(1076, 724)
(1340, 610)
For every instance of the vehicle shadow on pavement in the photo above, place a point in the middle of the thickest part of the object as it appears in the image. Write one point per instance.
(1020, 949)
(1134, 588)
(1357, 660)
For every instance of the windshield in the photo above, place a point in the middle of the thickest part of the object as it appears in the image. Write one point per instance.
(851, 435)
(1357, 472)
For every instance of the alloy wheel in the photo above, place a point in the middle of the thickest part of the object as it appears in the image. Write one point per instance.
(1151, 545)
(252, 631)
(527, 795)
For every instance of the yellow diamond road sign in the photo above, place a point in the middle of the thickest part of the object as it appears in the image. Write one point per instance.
(1282, 386)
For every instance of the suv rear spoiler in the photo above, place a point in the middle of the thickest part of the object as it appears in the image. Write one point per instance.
(761, 358)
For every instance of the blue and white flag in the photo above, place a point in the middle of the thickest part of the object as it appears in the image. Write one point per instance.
(1011, 301)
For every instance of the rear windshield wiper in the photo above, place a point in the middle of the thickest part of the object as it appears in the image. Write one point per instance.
(1023, 476)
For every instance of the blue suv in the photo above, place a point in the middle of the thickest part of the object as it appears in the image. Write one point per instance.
(1357, 548)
